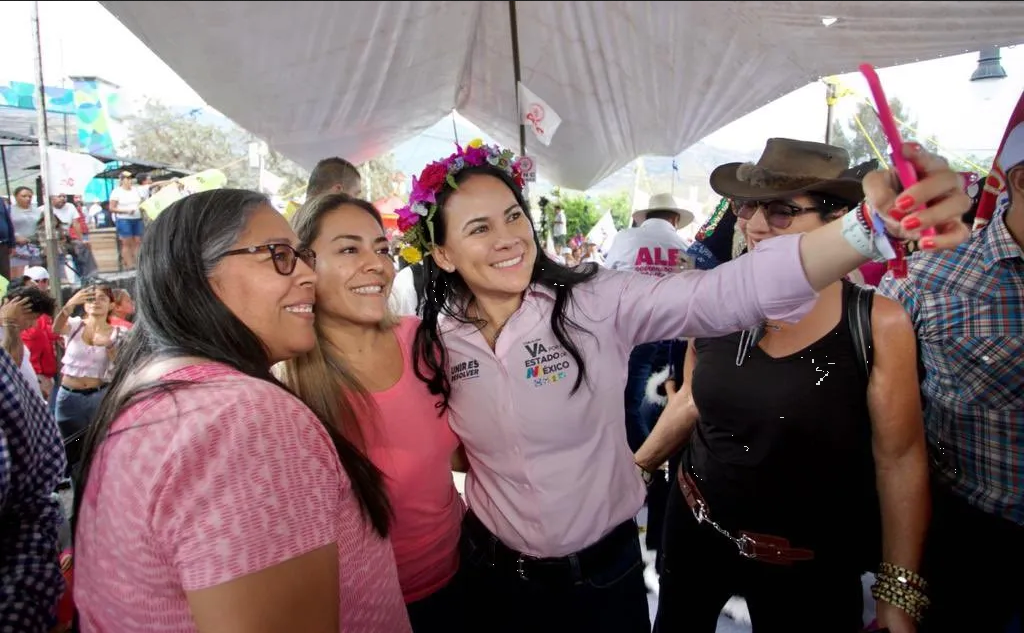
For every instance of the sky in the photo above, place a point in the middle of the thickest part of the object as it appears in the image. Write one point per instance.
(82, 38)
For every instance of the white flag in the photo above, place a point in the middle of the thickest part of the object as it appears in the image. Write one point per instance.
(603, 232)
(269, 182)
(70, 172)
(538, 115)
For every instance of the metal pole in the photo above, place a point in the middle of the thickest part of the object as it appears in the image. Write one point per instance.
(514, 23)
(7, 181)
(52, 261)
(830, 101)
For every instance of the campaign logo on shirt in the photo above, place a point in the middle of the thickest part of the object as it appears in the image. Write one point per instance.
(546, 364)
(465, 370)
(656, 261)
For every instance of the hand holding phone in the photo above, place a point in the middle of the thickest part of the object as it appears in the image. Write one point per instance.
(904, 169)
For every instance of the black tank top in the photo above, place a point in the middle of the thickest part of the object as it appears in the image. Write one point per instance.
(783, 446)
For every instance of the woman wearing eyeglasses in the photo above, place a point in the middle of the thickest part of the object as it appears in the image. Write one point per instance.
(794, 445)
(212, 499)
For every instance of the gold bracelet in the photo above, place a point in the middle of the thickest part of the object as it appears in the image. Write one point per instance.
(902, 596)
(903, 575)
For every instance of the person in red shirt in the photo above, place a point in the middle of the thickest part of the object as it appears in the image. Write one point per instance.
(39, 339)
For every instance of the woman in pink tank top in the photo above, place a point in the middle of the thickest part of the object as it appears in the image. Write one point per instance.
(211, 498)
(360, 374)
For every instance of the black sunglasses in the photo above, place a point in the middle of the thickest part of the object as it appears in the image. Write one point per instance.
(778, 213)
(283, 255)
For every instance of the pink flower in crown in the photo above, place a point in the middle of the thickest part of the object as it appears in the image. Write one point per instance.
(407, 218)
(475, 155)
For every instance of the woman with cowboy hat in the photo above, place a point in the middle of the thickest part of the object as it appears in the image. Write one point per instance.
(529, 360)
(796, 438)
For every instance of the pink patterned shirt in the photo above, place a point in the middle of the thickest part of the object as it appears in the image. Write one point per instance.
(224, 478)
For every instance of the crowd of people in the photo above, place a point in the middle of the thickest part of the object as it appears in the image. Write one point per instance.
(268, 445)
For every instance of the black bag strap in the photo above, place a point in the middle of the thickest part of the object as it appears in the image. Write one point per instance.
(858, 316)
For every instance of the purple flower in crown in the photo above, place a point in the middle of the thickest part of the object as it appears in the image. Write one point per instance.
(475, 155)
(407, 218)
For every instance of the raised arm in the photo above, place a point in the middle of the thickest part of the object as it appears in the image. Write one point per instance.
(779, 280)
(60, 322)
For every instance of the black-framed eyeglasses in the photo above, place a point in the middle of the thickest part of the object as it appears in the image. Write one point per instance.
(778, 213)
(283, 255)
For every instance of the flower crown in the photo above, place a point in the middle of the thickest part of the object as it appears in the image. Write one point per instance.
(416, 220)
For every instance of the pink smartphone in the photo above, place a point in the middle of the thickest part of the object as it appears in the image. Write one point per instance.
(906, 171)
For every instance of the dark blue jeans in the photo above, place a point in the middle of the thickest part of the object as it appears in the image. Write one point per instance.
(611, 598)
(443, 611)
(644, 361)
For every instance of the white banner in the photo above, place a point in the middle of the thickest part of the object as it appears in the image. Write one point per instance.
(603, 232)
(538, 115)
(70, 172)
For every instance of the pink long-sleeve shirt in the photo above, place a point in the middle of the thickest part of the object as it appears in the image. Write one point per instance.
(551, 473)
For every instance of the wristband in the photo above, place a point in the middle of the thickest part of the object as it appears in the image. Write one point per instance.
(858, 237)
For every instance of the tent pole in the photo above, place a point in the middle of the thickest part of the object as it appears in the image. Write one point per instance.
(514, 23)
(7, 181)
(52, 261)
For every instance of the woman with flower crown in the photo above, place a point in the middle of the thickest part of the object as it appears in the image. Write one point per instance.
(529, 359)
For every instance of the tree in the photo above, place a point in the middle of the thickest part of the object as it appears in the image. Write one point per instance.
(381, 177)
(160, 134)
(582, 212)
(621, 206)
(850, 136)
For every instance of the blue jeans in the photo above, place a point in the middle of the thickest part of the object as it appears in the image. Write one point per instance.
(644, 361)
(74, 412)
(130, 227)
(565, 595)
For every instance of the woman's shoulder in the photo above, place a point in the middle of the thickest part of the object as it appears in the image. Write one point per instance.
(210, 402)
(405, 329)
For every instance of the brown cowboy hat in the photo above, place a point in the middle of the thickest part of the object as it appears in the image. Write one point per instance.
(787, 168)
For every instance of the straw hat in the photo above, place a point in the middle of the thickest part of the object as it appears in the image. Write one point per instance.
(664, 202)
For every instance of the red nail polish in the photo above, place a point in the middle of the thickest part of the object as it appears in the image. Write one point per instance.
(928, 243)
(897, 215)
(905, 203)
(911, 222)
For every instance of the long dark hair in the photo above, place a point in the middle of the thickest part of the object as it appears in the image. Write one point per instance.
(447, 293)
(178, 315)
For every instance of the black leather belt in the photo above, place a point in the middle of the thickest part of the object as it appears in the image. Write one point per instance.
(571, 568)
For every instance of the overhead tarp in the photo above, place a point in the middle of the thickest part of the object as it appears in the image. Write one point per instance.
(318, 79)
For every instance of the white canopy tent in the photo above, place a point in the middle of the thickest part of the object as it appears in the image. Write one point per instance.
(317, 79)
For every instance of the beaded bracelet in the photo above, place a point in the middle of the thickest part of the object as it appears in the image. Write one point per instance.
(903, 575)
(910, 600)
(902, 588)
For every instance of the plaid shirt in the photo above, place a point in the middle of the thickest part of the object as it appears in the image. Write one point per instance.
(31, 463)
(968, 309)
